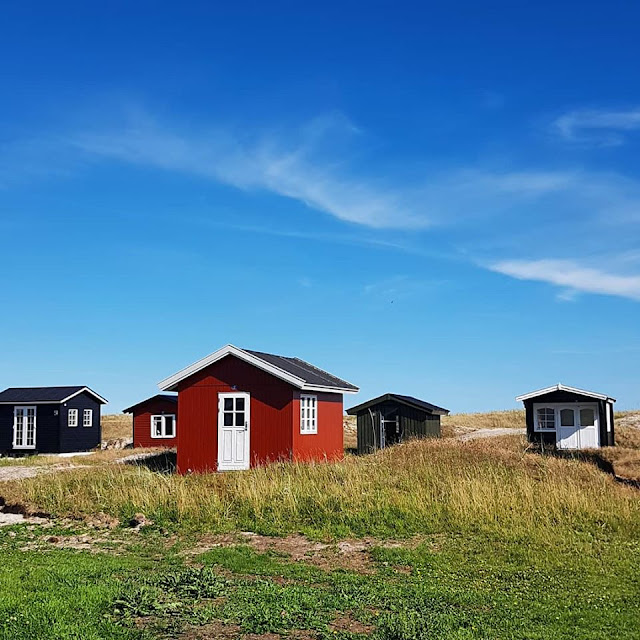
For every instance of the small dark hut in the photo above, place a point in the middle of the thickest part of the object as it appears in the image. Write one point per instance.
(49, 420)
(393, 418)
(569, 418)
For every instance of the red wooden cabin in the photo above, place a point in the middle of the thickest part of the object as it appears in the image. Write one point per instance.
(154, 421)
(239, 408)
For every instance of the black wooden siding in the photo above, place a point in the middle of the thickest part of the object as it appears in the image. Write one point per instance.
(607, 438)
(52, 433)
(80, 438)
(413, 424)
(47, 428)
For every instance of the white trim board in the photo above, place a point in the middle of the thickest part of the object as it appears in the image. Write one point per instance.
(564, 387)
(170, 383)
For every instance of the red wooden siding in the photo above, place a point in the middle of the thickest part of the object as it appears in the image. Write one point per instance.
(327, 444)
(271, 414)
(142, 423)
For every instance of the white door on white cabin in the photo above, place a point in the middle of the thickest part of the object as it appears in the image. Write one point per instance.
(234, 431)
(24, 428)
(577, 427)
(589, 433)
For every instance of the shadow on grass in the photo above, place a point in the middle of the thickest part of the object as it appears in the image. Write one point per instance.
(593, 456)
(164, 462)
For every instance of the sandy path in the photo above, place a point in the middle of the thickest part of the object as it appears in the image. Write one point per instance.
(490, 433)
(20, 472)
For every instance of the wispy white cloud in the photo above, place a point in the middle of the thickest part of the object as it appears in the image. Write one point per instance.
(571, 275)
(599, 127)
(315, 165)
(301, 165)
(325, 165)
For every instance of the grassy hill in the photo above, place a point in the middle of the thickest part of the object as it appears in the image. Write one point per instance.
(430, 539)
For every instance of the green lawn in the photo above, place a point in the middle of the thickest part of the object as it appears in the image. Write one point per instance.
(449, 586)
(427, 540)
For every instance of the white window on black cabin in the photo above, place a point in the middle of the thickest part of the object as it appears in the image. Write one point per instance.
(72, 418)
(163, 426)
(87, 418)
(308, 414)
(545, 419)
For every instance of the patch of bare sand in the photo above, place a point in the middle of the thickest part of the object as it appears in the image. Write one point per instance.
(19, 472)
(225, 631)
(351, 555)
(79, 542)
(346, 623)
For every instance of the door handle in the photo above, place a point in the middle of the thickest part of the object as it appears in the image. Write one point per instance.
(246, 425)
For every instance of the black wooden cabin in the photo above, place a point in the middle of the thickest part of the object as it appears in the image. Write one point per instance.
(49, 420)
(393, 418)
(564, 417)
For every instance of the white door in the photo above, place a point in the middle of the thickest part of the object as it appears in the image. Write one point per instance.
(24, 428)
(589, 432)
(234, 430)
(578, 427)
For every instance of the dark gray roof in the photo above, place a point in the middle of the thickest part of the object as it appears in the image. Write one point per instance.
(43, 394)
(159, 396)
(408, 400)
(307, 372)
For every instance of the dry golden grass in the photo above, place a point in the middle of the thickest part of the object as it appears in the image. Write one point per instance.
(350, 431)
(457, 423)
(625, 456)
(421, 486)
(116, 426)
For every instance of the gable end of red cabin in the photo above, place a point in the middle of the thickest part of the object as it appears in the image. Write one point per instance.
(271, 415)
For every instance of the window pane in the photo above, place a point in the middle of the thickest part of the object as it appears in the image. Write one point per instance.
(228, 404)
(228, 419)
(546, 418)
(157, 426)
(239, 404)
(168, 425)
(587, 418)
(567, 418)
(240, 419)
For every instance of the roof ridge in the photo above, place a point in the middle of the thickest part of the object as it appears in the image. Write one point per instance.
(54, 386)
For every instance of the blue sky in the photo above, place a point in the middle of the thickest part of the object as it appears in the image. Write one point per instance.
(441, 200)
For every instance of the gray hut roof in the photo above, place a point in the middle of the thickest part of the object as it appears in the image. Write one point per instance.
(160, 396)
(422, 405)
(297, 372)
(40, 395)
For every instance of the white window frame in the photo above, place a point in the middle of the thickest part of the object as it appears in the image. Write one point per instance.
(25, 410)
(72, 423)
(557, 407)
(536, 425)
(308, 423)
(87, 423)
(163, 426)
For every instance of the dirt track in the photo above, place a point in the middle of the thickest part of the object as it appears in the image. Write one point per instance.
(490, 433)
